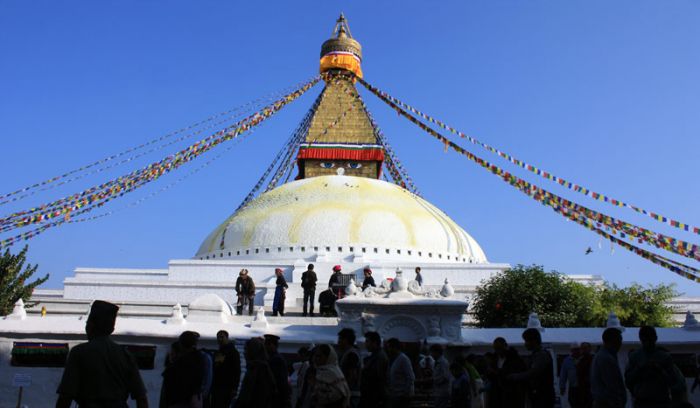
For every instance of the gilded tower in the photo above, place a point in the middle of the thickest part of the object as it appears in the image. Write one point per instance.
(340, 139)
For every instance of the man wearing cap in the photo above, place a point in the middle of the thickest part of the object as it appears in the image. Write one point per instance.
(334, 281)
(99, 372)
(280, 293)
(283, 398)
(308, 283)
(369, 280)
(245, 290)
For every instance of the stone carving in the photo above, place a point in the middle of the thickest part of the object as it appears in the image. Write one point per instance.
(533, 322)
(447, 289)
(691, 323)
(415, 288)
(176, 317)
(259, 320)
(403, 327)
(368, 322)
(434, 326)
(399, 284)
(351, 289)
(18, 312)
(614, 322)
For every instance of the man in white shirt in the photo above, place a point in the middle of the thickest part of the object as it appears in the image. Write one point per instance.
(441, 377)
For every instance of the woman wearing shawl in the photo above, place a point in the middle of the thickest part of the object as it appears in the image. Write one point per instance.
(280, 289)
(258, 387)
(330, 390)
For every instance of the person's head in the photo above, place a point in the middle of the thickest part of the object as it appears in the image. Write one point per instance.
(271, 343)
(500, 346)
(575, 350)
(532, 338)
(303, 353)
(436, 351)
(393, 347)
(278, 272)
(102, 318)
(647, 336)
(457, 369)
(188, 340)
(346, 338)
(255, 349)
(310, 267)
(243, 274)
(337, 269)
(612, 339)
(417, 269)
(585, 348)
(175, 351)
(222, 338)
(373, 341)
(367, 271)
(322, 355)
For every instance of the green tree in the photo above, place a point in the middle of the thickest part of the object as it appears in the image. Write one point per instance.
(13, 280)
(635, 305)
(507, 299)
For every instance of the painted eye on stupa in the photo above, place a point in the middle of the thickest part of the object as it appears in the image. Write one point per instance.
(327, 165)
(354, 165)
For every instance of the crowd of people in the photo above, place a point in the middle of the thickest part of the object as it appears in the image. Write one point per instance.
(100, 373)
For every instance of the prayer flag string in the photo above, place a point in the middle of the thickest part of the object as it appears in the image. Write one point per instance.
(534, 169)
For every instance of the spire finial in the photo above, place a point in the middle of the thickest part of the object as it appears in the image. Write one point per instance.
(341, 29)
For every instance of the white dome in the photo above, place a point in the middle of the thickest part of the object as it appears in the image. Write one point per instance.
(352, 215)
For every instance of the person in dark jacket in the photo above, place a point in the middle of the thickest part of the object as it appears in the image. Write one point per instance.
(607, 385)
(245, 291)
(280, 293)
(183, 379)
(227, 372)
(308, 283)
(373, 380)
(369, 280)
(100, 372)
(538, 377)
(258, 388)
(334, 281)
(461, 390)
(504, 393)
(283, 397)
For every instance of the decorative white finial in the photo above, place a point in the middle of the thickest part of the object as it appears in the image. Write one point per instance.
(176, 317)
(351, 289)
(691, 323)
(447, 290)
(340, 171)
(533, 322)
(18, 312)
(259, 321)
(614, 322)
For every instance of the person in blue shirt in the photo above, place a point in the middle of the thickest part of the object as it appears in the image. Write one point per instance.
(460, 394)
(419, 277)
(567, 374)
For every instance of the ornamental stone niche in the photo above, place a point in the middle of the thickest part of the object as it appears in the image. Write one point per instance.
(405, 312)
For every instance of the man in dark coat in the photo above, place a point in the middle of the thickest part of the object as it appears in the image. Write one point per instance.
(245, 290)
(100, 372)
(258, 389)
(538, 377)
(374, 371)
(505, 361)
(183, 379)
(308, 283)
(227, 372)
(283, 397)
(369, 280)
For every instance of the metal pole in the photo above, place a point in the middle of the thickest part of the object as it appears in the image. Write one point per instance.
(19, 398)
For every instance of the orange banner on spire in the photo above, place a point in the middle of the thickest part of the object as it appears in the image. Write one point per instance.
(341, 60)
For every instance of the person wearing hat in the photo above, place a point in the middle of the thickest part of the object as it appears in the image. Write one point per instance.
(100, 372)
(308, 283)
(369, 280)
(245, 291)
(185, 379)
(334, 282)
(280, 293)
(278, 365)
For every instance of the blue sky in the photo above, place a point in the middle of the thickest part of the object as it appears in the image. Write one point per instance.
(603, 93)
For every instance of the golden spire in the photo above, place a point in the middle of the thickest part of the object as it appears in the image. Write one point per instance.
(341, 51)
